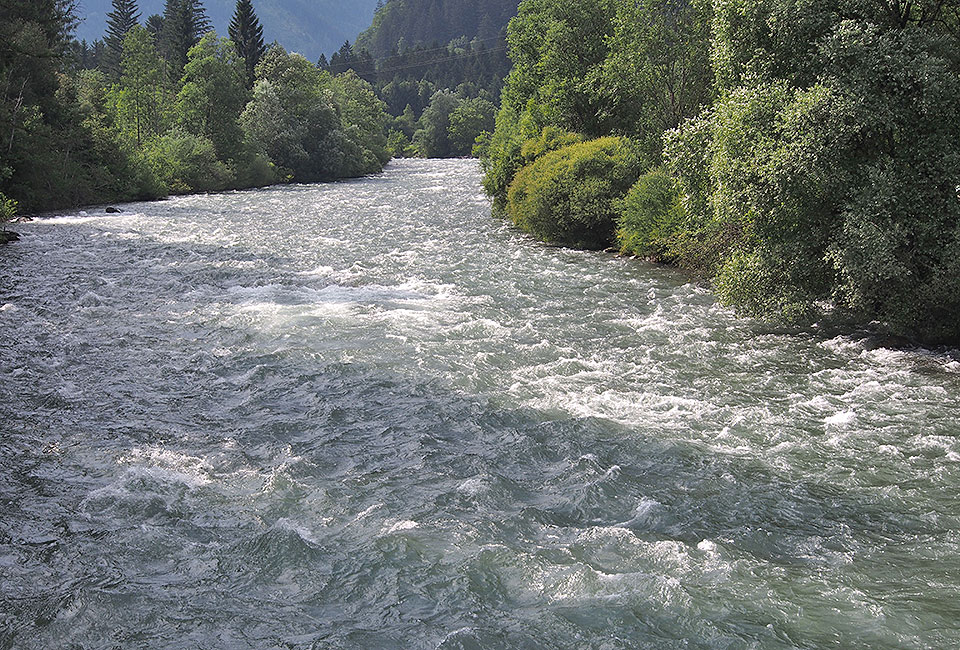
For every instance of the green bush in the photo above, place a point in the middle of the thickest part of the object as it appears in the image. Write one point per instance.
(398, 144)
(650, 216)
(550, 139)
(567, 196)
(255, 170)
(188, 163)
(502, 156)
(8, 209)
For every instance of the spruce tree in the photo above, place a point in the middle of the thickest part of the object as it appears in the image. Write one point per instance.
(184, 22)
(247, 35)
(121, 20)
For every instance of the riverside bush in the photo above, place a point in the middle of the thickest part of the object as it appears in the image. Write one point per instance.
(650, 215)
(188, 163)
(8, 209)
(567, 196)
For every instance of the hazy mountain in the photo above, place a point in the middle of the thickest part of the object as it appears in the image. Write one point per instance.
(405, 23)
(310, 27)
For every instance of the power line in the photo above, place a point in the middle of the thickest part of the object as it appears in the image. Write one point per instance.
(453, 57)
(441, 48)
(421, 51)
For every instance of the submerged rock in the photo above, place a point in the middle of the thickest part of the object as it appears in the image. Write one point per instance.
(7, 236)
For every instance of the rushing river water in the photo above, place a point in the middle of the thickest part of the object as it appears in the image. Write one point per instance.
(369, 415)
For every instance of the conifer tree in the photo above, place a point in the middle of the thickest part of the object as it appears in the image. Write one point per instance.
(121, 20)
(154, 25)
(184, 23)
(247, 35)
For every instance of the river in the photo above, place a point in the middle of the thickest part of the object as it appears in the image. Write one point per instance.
(369, 415)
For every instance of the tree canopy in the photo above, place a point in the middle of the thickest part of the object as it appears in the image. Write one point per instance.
(801, 154)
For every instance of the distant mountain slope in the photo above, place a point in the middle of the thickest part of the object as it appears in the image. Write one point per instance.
(406, 23)
(310, 27)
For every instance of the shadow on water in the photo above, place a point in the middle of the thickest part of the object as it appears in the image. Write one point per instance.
(356, 508)
(161, 486)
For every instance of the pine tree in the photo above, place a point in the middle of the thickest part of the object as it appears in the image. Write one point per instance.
(247, 35)
(154, 25)
(184, 22)
(121, 20)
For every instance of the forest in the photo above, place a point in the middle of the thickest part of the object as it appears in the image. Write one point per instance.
(438, 66)
(168, 107)
(163, 105)
(800, 155)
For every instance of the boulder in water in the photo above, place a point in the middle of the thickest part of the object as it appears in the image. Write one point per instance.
(113, 210)
(7, 236)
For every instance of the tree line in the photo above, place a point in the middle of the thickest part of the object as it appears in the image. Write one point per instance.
(439, 98)
(168, 107)
(800, 154)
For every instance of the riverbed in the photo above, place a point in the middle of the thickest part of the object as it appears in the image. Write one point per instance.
(370, 415)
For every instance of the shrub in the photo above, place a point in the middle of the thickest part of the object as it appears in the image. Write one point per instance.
(8, 209)
(398, 144)
(650, 216)
(502, 156)
(550, 139)
(188, 163)
(567, 196)
(255, 170)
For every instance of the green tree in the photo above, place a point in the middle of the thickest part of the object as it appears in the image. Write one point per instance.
(830, 177)
(657, 72)
(184, 23)
(291, 116)
(119, 22)
(363, 118)
(432, 138)
(557, 48)
(467, 121)
(247, 35)
(212, 95)
(139, 97)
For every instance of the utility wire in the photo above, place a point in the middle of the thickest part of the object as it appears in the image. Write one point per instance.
(415, 50)
(337, 68)
(453, 57)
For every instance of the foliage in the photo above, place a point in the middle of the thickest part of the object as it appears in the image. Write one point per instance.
(120, 21)
(8, 209)
(51, 157)
(184, 23)
(804, 150)
(450, 125)
(212, 94)
(185, 162)
(399, 145)
(408, 22)
(554, 46)
(311, 125)
(76, 136)
(432, 138)
(362, 118)
(650, 216)
(657, 72)
(247, 36)
(568, 196)
(833, 176)
(467, 121)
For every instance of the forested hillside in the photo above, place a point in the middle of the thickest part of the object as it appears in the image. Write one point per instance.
(170, 108)
(403, 24)
(310, 27)
(439, 67)
(801, 155)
